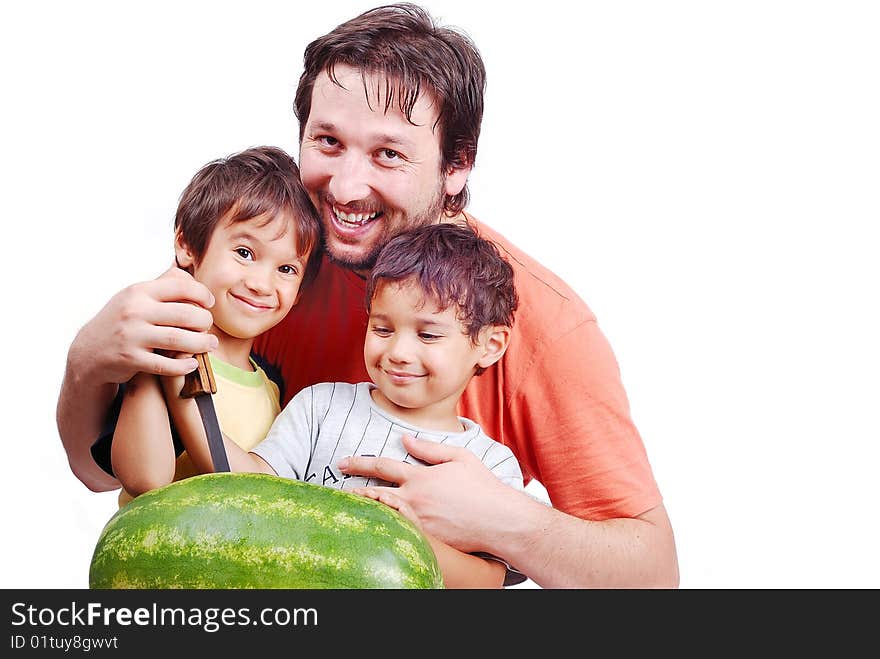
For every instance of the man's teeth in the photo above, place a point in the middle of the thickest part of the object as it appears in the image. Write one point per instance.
(355, 219)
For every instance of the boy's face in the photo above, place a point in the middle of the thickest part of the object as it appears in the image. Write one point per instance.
(254, 271)
(419, 357)
(369, 171)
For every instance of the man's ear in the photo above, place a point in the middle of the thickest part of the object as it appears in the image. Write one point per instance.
(494, 343)
(456, 179)
(184, 255)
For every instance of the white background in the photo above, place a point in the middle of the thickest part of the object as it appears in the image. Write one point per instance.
(705, 174)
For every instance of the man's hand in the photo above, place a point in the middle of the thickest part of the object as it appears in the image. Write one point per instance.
(461, 502)
(450, 497)
(389, 497)
(169, 313)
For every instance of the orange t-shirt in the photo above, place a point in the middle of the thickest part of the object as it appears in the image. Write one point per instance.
(555, 398)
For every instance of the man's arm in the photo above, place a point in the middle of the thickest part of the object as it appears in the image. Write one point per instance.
(169, 313)
(459, 501)
(82, 407)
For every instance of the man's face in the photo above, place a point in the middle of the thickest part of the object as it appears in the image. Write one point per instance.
(371, 173)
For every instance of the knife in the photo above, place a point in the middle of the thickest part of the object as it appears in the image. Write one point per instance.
(200, 384)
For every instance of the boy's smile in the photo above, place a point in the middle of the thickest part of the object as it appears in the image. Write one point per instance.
(251, 305)
(400, 377)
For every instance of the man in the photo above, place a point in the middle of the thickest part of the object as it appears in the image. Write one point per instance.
(390, 109)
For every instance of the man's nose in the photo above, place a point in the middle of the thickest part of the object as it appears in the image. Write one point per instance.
(351, 179)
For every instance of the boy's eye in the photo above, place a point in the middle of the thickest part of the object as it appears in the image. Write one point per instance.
(244, 253)
(381, 331)
(287, 270)
(425, 336)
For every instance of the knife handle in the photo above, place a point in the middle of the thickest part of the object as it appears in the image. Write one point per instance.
(200, 381)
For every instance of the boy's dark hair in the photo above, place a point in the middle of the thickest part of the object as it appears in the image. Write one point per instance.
(256, 181)
(402, 43)
(452, 265)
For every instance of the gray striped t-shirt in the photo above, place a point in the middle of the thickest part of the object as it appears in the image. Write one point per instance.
(326, 422)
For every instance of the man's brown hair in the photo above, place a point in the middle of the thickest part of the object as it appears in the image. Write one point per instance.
(402, 43)
(257, 181)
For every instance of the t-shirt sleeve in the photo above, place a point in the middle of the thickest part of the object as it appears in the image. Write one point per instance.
(585, 448)
(288, 444)
(512, 576)
(100, 448)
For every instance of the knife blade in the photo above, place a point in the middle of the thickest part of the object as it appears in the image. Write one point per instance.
(200, 384)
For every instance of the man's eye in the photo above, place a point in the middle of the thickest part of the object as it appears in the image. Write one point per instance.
(244, 253)
(327, 140)
(389, 155)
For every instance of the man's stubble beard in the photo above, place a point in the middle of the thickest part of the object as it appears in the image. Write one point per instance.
(431, 215)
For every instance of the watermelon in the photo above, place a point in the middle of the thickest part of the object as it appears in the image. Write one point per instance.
(230, 530)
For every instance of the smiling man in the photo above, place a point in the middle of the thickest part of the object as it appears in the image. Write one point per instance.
(390, 107)
(371, 173)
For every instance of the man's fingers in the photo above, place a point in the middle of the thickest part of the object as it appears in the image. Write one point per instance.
(176, 340)
(184, 315)
(431, 452)
(169, 366)
(383, 494)
(176, 285)
(393, 471)
(389, 496)
(175, 367)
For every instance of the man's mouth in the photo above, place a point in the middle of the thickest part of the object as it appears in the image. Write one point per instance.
(354, 220)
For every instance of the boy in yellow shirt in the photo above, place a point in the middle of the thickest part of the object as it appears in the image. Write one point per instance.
(246, 229)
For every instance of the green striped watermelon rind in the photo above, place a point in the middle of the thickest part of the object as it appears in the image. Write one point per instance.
(236, 530)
